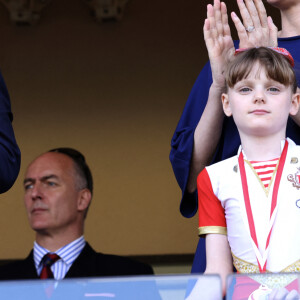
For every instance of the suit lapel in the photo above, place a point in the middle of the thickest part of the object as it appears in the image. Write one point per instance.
(84, 265)
(29, 267)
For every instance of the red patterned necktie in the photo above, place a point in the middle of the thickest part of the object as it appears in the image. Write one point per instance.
(48, 260)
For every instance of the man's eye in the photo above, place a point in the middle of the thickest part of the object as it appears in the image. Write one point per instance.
(27, 186)
(51, 183)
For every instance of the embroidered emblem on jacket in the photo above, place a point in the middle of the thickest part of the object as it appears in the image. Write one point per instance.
(295, 179)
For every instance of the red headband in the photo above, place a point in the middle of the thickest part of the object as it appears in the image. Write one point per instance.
(281, 51)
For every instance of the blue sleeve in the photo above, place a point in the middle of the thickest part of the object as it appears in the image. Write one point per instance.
(10, 155)
(183, 139)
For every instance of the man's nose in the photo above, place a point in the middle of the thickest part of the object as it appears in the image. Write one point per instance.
(36, 192)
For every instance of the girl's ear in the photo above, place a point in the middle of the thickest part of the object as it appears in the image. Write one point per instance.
(226, 105)
(294, 109)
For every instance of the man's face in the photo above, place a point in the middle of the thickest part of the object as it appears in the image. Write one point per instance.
(51, 196)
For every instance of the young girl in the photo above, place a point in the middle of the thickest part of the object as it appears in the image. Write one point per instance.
(249, 207)
(202, 135)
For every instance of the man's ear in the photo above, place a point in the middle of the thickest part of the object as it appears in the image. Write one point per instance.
(295, 104)
(84, 199)
(226, 105)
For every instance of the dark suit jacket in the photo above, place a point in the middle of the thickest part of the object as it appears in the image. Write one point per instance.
(88, 264)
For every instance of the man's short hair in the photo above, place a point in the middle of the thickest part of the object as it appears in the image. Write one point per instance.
(81, 168)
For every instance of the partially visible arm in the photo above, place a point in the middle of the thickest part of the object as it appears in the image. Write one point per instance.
(212, 222)
(182, 143)
(218, 257)
(220, 49)
(197, 136)
(206, 136)
(9, 150)
(219, 262)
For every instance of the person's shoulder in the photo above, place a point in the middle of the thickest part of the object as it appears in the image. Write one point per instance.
(288, 40)
(292, 44)
(223, 165)
(294, 149)
(18, 269)
(111, 264)
(220, 173)
(123, 263)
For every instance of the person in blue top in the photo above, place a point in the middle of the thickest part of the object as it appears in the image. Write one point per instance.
(203, 136)
(10, 157)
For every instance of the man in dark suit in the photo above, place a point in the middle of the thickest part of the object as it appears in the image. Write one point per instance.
(58, 191)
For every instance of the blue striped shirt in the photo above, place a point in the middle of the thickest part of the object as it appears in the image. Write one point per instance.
(67, 255)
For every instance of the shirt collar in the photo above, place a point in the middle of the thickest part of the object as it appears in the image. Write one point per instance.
(67, 253)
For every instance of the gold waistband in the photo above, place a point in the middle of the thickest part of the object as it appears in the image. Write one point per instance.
(276, 280)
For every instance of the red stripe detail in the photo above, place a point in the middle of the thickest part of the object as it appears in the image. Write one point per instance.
(265, 173)
(257, 161)
(266, 178)
(264, 166)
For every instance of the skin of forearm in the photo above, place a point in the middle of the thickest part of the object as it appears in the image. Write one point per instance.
(218, 257)
(207, 135)
(223, 275)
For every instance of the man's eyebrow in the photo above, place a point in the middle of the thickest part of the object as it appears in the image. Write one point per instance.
(26, 180)
(52, 176)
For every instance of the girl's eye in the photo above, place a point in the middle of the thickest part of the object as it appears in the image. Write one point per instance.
(274, 89)
(245, 90)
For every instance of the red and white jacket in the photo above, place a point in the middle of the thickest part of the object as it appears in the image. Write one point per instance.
(222, 210)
